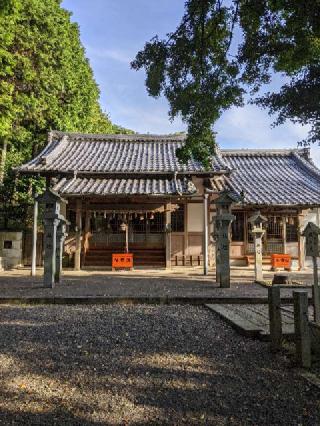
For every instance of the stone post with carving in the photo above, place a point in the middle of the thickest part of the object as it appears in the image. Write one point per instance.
(52, 218)
(257, 221)
(312, 247)
(61, 236)
(221, 234)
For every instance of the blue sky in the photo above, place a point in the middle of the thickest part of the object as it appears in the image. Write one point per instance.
(113, 31)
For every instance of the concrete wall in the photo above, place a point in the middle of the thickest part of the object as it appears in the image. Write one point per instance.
(11, 257)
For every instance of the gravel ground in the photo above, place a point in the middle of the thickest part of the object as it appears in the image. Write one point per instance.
(142, 365)
(19, 283)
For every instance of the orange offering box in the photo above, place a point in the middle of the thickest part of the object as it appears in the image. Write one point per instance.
(281, 261)
(122, 260)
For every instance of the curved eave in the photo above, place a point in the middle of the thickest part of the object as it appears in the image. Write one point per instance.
(83, 173)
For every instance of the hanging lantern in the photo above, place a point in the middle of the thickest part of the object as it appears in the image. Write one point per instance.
(123, 226)
(141, 217)
(152, 216)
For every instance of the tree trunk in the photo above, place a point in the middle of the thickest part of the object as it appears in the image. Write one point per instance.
(3, 161)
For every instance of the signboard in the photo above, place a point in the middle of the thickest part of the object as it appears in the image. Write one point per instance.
(281, 261)
(122, 260)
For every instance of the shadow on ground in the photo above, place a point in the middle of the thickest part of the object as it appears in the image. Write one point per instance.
(142, 365)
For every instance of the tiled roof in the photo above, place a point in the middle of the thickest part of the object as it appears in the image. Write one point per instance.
(94, 186)
(85, 153)
(275, 177)
(142, 164)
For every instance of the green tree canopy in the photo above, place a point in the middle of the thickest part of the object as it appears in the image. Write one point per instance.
(46, 82)
(223, 50)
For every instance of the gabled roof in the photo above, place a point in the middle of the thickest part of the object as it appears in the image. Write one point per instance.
(88, 153)
(272, 177)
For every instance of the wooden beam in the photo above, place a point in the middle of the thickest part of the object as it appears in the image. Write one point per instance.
(77, 257)
(205, 234)
(86, 232)
(185, 235)
(284, 233)
(168, 234)
(301, 241)
(34, 239)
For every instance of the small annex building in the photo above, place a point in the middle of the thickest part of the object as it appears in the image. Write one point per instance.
(137, 179)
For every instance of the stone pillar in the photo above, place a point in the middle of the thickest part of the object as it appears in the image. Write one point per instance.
(257, 221)
(275, 320)
(34, 238)
(258, 254)
(77, 256)
(215, 236)
(168, 235)
(205, 234)
(221, 234)
(301, 329)
(50, 245)
(223, 222)
(61, 235)
(52, 218)
(312, 246)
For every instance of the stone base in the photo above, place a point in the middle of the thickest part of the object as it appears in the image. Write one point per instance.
(281, 279)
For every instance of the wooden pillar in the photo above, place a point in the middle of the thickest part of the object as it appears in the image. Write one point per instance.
(77, 258)
(301, 242)
(34, 238)
(284, 233)
(205, 234)
(185, 236)
(168, 234)
(86, 231)
(246, 232)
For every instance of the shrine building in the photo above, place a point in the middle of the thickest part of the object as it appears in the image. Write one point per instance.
(111, 180)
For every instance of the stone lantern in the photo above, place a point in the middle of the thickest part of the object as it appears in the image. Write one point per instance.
(52, 218)
(257, 221)
(221, 234)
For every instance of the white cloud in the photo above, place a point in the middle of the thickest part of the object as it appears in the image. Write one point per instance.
(111, 54)
(250, 127)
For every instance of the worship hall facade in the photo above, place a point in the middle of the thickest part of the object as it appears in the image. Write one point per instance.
(137, 180)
